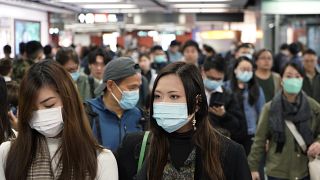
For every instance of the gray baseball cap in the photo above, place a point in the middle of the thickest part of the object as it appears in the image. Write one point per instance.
(117, 69)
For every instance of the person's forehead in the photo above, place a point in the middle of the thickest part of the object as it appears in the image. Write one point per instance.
(158, 51)
(170, 83)
(309, 56)
(244, 64)
(291, 70)
(214, 72)
(45, 92)
(245, 49)
(99, 59)
(191, 48)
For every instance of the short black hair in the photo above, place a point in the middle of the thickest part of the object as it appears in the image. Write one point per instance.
(294, 48)
(47, 50)
(92, 58)
(175, 43)
(284, 46)
(216, 63)
(209, 48)
(295, 66)
(13, 93)
(66, 54)
(191, 43)
(143, 55)
(156, 48)
(22, 48)
(310, 51)
(244, 45)
(5, 67)
(7, 49)
(33, 48)
(258, 54)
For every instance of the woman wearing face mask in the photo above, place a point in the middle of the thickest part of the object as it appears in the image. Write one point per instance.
(244, 85)
(285, 158)
(55, 140)
(183, 144)
(6, 133)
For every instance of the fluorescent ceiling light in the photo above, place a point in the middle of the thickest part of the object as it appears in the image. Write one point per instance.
(117, 11)
(202, 10)
(182, 1)
(203, 5)
(109, 6)
(89, 1)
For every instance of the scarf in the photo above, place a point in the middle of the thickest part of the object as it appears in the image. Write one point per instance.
(41, 168)
(299, 113)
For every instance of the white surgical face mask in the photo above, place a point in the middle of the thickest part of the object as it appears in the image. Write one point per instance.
(48, 122)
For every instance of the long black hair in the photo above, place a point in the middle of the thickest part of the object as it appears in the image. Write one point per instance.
(5, 125)
(205, 138)
(253, 86)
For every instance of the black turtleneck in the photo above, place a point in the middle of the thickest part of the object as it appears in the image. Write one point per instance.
(181, 146)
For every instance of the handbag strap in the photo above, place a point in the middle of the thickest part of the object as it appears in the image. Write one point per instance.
(296, 135)
(143, 149)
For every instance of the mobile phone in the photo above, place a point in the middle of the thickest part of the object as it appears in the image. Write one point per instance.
(217, 104)
(13, 110)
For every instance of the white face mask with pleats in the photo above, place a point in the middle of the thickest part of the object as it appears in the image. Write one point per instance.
(48, 122)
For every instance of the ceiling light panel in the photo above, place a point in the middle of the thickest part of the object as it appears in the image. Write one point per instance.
(89, 1)
(109, 6)
(203, 10)
(202, 5)
(196, 1)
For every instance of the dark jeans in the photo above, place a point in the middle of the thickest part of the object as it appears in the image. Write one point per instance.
(273, 178)
(247, 143)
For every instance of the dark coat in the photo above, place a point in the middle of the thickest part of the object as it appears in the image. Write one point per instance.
(232, 156)
(233, 122)
(312, 90)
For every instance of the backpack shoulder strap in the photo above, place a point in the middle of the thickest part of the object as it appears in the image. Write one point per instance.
(93, 118)
(91, 84)
(143, 149)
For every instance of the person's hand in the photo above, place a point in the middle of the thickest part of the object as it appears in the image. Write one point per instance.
(314, 149)
(217, 110)
(255, 175)
(13, 120)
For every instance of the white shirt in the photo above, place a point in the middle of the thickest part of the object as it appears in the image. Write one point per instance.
(107, 164)
(7, 78)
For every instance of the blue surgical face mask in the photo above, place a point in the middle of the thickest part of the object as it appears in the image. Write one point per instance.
(171, 116)
(160, 59)
(292, 85)
(212, 84)
(75, 75)
(244, 76)
(128, 100)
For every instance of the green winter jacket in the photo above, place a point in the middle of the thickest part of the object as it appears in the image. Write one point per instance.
(291, 163)
(84, 89)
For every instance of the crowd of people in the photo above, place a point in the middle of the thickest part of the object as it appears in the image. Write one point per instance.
(186, 113)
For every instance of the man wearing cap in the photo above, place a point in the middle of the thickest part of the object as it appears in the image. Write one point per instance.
(115, 112)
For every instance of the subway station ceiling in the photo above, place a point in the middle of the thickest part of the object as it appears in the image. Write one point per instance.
(149, 6)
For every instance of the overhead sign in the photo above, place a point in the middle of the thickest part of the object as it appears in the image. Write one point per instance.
(90, 18)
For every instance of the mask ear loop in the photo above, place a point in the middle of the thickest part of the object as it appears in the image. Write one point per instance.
(114, 95)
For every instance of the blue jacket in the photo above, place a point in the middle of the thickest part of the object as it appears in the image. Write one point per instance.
(112, 128)
(297, 60)
(251, 112)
